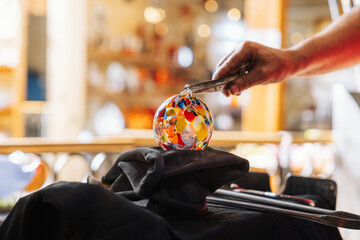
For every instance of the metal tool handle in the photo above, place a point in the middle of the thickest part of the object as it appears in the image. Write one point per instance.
(286, 204)
(219, 84)
(314, 217)
(275, 202)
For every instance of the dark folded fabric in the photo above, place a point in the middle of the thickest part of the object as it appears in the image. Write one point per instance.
(86, 211)
(173, 181)
(81, 211)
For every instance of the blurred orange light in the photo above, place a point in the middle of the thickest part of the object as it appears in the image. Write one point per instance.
(211, 6)
(41, 174)
(162, 76)
(161, 28)
(141, 118)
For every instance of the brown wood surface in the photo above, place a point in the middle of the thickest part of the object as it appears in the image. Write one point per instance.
(131, 138)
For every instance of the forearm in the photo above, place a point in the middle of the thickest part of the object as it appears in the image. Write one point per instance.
(337, 47)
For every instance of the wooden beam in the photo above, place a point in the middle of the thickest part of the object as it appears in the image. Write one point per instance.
(265, 110)
(20, 78)
(131, 138)
(66, 67)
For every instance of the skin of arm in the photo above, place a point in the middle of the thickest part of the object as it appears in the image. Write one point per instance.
(334, 48)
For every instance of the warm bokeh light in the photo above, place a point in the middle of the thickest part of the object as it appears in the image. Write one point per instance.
(296, 37)
(162, 13)
(312, 134)
(234, 14)
(162, 76)
(162, 28)
(204, 30)
(211, 6)
(153, 15)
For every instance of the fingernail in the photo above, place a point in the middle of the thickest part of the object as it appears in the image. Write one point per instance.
(226, 93)
(214, 75)
(234, 89)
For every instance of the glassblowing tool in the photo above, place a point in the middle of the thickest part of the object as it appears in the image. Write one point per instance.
(306, 201)
(217, 85)
(320, 215)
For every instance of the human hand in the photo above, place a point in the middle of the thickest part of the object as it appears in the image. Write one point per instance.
(266, 65)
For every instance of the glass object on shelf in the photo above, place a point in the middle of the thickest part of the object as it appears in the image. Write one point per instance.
(34, 124)
(109, 120)
(71, 167)
(116, 76)
(19, 171)
(162, 76)
(183, 122)
(41, 173)
(224, 121)
(260, 156)
(301, 160)
(140, 118)
(132, 80)
(96, 77)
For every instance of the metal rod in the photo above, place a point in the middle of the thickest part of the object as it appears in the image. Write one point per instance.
(286, 204)
(319, 218)
(273, 195)
(217, 84)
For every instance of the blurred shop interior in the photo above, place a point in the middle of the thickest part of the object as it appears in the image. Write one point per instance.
(80, 82)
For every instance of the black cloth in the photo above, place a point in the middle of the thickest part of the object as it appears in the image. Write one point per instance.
(69, 210)
(175, 183)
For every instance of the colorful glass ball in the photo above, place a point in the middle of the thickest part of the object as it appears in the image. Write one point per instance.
(183, 122)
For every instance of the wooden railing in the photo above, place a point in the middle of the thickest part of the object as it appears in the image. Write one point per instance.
(131, 138)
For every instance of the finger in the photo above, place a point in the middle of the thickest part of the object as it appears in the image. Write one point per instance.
(226, 93)
(224, 69)
(233, 62)
(234, 90)
(223, 59)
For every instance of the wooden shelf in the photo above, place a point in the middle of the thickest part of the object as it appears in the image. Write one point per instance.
(33, 107)
(5, 111)
(144, 60)
(44, 145)
(145, 137)
(6, 69)
(142, 98)
(134, 138)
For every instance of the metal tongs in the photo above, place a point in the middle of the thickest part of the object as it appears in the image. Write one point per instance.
(320, 215)
(218, 84)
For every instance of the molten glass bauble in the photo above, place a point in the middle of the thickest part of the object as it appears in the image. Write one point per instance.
(183, 122)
